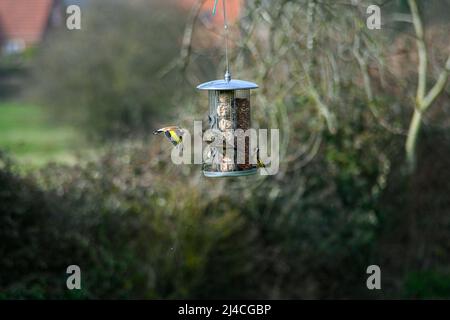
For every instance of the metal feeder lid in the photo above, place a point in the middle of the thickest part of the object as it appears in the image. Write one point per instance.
(227, 85)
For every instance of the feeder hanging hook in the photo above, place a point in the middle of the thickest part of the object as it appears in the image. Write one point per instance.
(225, 25)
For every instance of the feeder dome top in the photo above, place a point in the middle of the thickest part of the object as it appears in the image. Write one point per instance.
(227, 85)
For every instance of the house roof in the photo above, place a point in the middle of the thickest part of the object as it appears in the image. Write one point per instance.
(24, 19)
(233, 9)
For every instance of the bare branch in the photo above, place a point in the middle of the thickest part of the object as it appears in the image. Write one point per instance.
(437, 88)
(186, 46)
(362, 61)
(423, 101)
(421, 50)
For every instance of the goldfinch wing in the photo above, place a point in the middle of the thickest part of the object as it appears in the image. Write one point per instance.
(173, 134)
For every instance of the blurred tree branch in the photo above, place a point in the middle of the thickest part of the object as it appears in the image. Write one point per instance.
(423, 99)
(362, 61)
(186, 46)
(284, 32)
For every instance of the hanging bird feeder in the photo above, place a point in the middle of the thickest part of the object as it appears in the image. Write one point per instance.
(229, 110)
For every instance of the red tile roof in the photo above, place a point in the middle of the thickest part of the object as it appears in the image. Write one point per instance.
(233, 9)
(24, 19)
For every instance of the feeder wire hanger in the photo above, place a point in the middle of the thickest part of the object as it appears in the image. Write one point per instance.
(225, 26)
(229, 109)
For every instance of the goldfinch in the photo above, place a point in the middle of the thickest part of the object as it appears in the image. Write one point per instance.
(173, 133)
(259, 163)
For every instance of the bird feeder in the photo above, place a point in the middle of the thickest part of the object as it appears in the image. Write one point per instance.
(229, 110)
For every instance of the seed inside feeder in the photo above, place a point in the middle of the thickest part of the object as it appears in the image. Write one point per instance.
(225, 124)
(227, 164)
(229, 110)
(243, 113)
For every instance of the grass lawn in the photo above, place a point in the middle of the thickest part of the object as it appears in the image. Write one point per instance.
(28, 136)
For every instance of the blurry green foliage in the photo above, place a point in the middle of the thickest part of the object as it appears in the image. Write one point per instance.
(427, 284)
(138, 233)
(26, 133)
(140, 227)
(133, 236)
(106, 76)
